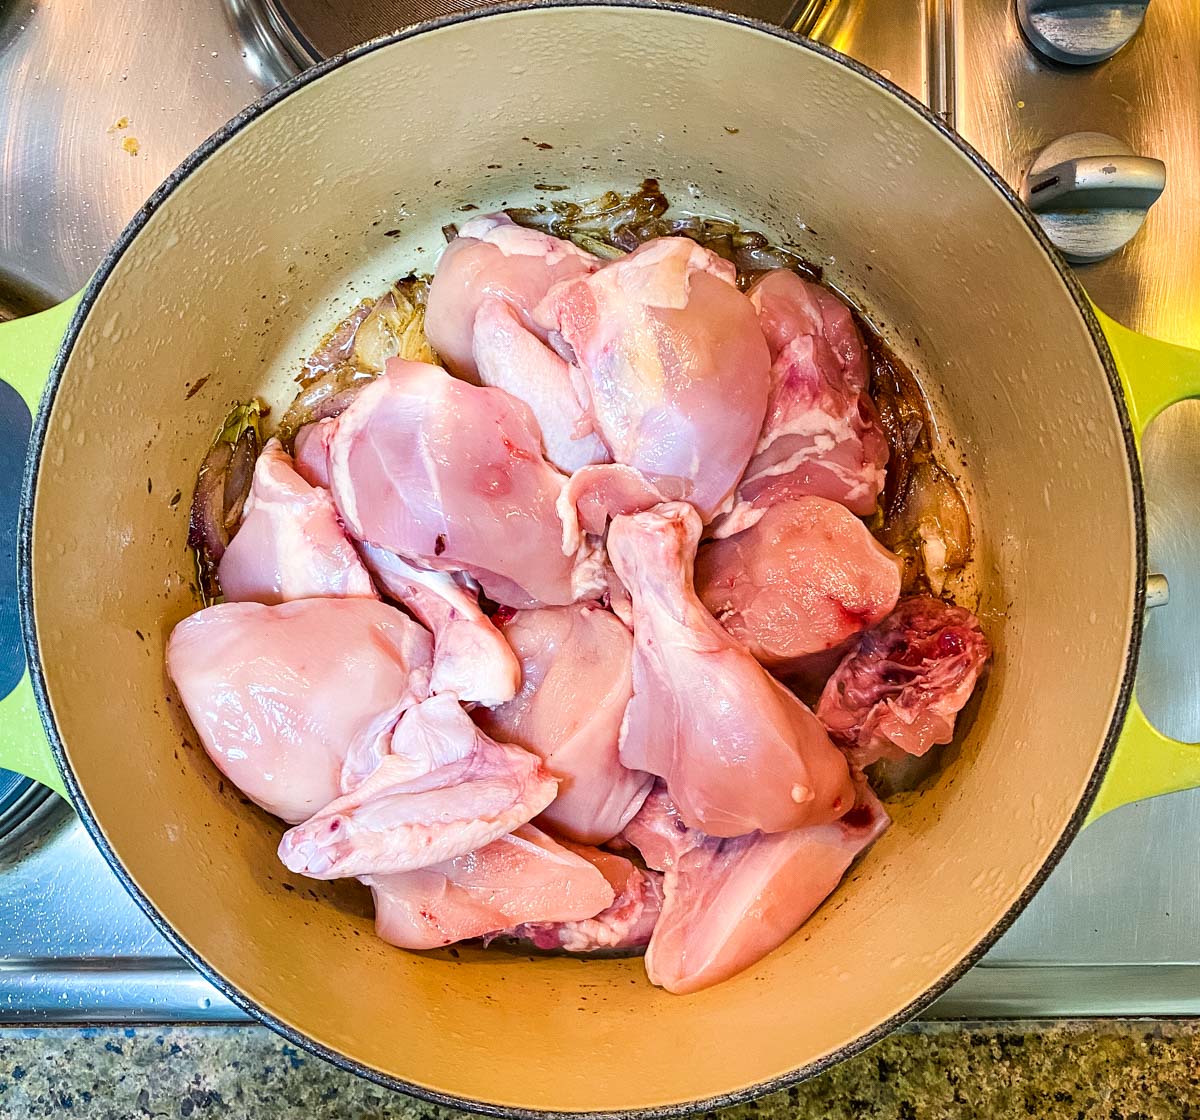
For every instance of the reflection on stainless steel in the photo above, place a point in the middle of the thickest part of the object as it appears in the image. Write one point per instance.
(941, 34)
(1025, 990)
(1158, 591)
(21, 801)
(1011, 104)
(898, 39)
(1124, 895)
(1080, 32)
(109, 990)
(271, 50)
(74, 946)
(1169, 681)
(1113, 931)
(69, 72)
(1091, 193)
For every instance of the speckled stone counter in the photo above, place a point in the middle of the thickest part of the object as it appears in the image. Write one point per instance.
(1114, 1071)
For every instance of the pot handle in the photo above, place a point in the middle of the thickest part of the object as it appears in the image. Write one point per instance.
(27, 350)
(1147, 763)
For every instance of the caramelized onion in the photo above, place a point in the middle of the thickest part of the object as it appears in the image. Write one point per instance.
(395, 327)
(329, 395)
(222, 487)
(355, 352)
(619, 221)
(614, 224)
(924, 516)
(336, 346)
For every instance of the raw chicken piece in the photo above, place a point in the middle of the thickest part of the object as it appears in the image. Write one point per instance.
(802, 580)
(616, 596)
(523, 877)
(493, 258)
(821, 435)
(738, 751)
(575, 668)
(509, 356)
(626, 924)
(470, 657)
(658, 831)
(312, 452)
(904, 684)
(290, 544)
(730, 902)
(296, 703)
(451, 475)
(445, 790)
(594, 494)
(670, 363)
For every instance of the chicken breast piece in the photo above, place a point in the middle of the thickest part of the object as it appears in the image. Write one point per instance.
(290, 544)
(737, 750)
(729, 902)
(899, 691)
(670, 363)
(523, 877)
(312, 451)
(296, 703)
(470, 657)
(493, 258)
(821, 435)
(802, 580)
(575, 685)
(509, 356)
(445, 790)
(451, 476)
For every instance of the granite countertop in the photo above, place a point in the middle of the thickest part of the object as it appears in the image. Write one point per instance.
(1111, 1070)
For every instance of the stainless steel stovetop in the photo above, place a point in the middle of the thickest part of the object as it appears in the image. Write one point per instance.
(100, 100)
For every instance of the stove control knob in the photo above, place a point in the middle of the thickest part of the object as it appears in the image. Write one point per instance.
(1080, 32)
(1091, 193)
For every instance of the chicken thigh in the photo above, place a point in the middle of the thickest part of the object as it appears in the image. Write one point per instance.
(738, 751)
(451, 475)
(470, 657)
(900, 690)
(821, 435)
(493, 258)
(800, 581)
(296, 703)
(670, 363)
(523, 877)
(729, 902)
(575, 685)
(445, 790)
(290, 544)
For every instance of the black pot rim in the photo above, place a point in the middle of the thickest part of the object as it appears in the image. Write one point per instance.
(88, 817)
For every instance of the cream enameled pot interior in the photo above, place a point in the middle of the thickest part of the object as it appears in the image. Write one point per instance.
(283, 226)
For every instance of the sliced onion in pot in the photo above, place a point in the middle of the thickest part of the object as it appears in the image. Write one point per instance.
(222, 487)
(394, 328)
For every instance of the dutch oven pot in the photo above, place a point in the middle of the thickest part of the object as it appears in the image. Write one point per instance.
(276, 225)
